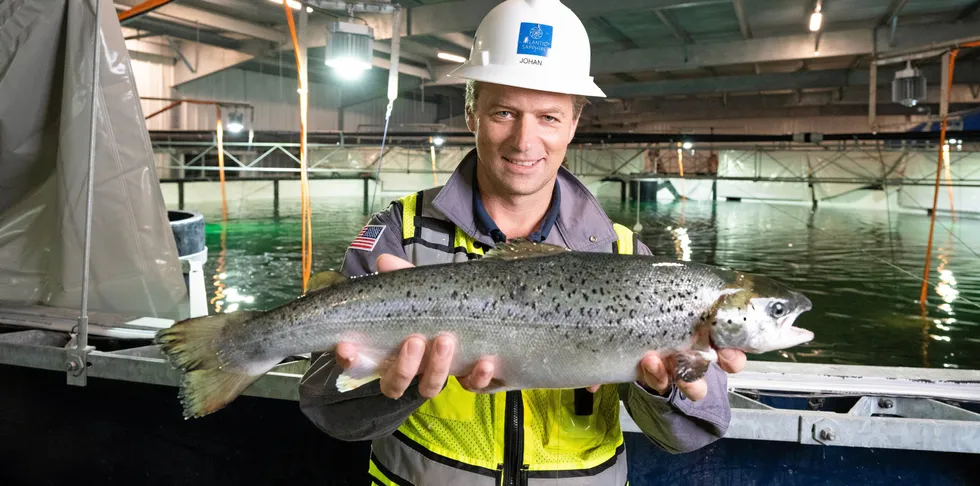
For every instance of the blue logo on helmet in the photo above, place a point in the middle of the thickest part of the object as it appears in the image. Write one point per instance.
(535, 39)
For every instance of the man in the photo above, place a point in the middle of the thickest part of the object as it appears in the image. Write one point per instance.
(527, 75)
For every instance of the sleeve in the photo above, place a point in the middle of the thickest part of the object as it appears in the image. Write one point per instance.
(364, 413)
(360, 414)
(674, 422)
(359, 262)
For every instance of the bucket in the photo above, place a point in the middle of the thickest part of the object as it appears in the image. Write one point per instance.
(188, 230)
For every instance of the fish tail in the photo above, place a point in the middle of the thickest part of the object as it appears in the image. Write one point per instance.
(191, 344)
(192, 347)
(206, 391)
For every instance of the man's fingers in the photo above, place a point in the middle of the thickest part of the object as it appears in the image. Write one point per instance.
(654, 373)
(593, 388)
(437, 366)
(694, 390)
(479, 378)
(400, 375)
(731, 360)
(346, 354)
(387, 263)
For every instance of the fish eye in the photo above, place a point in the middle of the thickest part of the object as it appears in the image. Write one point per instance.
(777, 309)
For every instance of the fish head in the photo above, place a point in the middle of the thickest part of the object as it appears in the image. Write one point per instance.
(756, 314)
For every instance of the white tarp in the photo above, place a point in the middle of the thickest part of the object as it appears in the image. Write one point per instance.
(46, 55)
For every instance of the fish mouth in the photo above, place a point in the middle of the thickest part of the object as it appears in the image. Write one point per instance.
(790, 335)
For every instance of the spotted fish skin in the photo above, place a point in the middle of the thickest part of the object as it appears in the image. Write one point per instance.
(558, 321)
(546, 317)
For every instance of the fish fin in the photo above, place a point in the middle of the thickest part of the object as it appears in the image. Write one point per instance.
(364, 372)
(206, 391)
(189, 344)
(518, 249)
(691, 365)
(322, 280)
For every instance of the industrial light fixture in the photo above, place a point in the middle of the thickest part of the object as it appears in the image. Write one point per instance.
(687, 145)
(236, 122)
(350, 48)
(451, 57)
(816, 18)
(293, 4)
(438, 141)
(909, 86)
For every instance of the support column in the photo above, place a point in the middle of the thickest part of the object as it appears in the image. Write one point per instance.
(366, 184)
(275, 198)
(873, 98)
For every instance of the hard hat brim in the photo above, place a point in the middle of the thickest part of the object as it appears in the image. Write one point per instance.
(528, 77)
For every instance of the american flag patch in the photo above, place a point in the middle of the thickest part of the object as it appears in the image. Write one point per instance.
(368, 237)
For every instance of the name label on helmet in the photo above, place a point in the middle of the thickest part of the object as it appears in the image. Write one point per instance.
(528, 60)
(534, 40)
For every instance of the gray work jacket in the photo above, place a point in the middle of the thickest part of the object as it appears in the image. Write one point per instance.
(673, 422)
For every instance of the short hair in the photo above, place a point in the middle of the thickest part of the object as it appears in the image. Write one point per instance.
(472, 92)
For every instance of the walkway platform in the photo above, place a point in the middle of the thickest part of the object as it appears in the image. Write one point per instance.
(878, 407)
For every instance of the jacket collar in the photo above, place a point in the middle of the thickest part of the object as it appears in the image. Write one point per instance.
(581, 221)
(488, 226)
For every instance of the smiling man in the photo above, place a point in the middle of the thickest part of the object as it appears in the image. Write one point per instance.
(528, 75)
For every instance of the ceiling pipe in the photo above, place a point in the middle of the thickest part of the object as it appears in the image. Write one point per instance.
(141, 9)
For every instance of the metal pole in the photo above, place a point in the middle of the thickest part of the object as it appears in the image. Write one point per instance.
(77, 361)
(873, 99)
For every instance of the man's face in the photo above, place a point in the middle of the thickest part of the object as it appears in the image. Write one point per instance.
(521, 137)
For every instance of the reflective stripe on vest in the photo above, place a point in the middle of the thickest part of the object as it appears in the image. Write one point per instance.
(624, 239)
(458, 436)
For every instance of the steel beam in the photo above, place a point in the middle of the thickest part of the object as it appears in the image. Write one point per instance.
(403, 68)
(776, 81)
(208, 60)
(742, 107)
(423, 49)
(163, 27)
(622, 39)
(893, 11)
(832, 44)
(674, 27)
(465, 16)
(385, 47)
(205, 18)
(152, 58)
(743, 20)
(141, 9)
(458, 39)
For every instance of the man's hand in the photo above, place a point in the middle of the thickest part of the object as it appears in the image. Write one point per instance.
(416, 356)
(654, 374)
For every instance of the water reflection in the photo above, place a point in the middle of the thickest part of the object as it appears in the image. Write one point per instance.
(682, 243)
(219, 274)
(946, 289)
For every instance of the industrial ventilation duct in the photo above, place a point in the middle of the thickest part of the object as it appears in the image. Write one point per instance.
(909, 86)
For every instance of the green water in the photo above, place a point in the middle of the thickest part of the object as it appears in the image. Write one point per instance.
(861, 268)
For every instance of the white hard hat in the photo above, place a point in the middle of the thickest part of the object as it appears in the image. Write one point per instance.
(533, 44)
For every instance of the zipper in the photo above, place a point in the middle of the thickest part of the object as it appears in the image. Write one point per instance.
(514, 440)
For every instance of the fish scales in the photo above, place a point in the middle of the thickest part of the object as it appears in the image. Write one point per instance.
(547, 317)
(535, 316)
